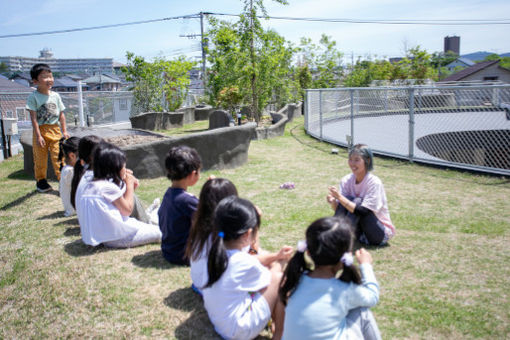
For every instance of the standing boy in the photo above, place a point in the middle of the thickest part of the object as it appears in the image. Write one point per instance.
(183, 169)
(46, 111)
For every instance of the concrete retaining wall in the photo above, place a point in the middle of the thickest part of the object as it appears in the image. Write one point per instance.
(274, 130)
(157, 120)
(219, 149)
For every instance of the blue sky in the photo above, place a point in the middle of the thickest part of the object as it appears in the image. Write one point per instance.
(162, 38)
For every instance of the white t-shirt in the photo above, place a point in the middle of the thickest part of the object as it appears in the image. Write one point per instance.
(100, 220)
(198, 267)
(233, 303)
(370, 192)
(84, 180)
(64, 188)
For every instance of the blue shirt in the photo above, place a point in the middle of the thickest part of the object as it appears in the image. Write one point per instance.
(175, 216)
(318, 307)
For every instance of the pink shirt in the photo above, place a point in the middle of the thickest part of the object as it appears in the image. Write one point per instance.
(370, 193)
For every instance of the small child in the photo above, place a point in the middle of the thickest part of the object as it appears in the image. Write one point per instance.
(201, 232)
(46, 111)
(69, 154)
(320, 306)
(83, 172)
(183, 169)
(241, 294)
(107, 201)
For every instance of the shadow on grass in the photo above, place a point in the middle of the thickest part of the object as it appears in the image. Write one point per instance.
(71, 221)
(78, 248)
(20, 174)
(52, 216)
(75, 231)
(18, 201)
(152, 259)
(197, 326)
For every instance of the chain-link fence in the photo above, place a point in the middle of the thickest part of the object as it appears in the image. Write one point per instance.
(99, 108)
(458, 126)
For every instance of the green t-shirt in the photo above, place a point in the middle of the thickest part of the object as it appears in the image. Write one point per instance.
(47, 108)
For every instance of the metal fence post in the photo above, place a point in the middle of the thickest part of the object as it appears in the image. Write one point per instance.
(411, 124)
(351, 142)
(320, 115)
(305, 106)
(80, 104)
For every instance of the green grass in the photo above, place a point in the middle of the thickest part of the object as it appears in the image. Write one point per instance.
(444, 275)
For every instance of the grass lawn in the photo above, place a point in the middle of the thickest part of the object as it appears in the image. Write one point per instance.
(445, 275)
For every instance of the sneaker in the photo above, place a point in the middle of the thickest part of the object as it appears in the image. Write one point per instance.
(43, 186)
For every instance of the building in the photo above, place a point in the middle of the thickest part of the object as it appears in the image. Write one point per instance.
(85, 65)
(102, 82)
(67, 84)
(484, 71)
(452, 44)
(462, 62)
(13, 98)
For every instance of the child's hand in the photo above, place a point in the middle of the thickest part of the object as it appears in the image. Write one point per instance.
(333, 191)
(332, 201)
(66, 135)
(211, 177)
(363, 256)
(285, 253)
(41, 142)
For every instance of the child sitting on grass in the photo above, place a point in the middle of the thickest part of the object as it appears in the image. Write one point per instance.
(107, 201)
(68, 154)
(201, 233)
(175, 213)
(241, 294)
(320, 306)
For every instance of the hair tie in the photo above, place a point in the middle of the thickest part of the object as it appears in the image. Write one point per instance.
(221, 234)
(301, 246)
(347, 259)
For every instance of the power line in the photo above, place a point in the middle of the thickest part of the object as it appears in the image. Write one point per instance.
(99, 27)
(429, 22)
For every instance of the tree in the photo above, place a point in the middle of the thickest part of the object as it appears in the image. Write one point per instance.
(261, 71)
(157, 84)
(3, 67)
(324, 61)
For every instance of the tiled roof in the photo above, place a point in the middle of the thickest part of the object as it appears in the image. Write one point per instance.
(470, 70)
(65, 82)
(7, 85)
(100, 79)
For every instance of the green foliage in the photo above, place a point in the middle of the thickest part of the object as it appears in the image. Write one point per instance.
(157, 80)
(324, 61)
(254, 60)
(229, 98)
(503, 61)
(417, 66)
(3, 67)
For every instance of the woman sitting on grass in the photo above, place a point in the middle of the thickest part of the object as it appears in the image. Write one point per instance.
(362, 198)
(107, 201)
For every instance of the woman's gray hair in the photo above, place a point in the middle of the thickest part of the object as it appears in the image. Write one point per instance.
(366, 153)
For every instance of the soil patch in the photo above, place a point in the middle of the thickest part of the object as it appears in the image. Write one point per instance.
(131, 139)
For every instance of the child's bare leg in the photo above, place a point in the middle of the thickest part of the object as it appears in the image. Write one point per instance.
(270, 293)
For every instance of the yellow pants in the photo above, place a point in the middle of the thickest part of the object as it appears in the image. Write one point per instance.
(51, 135)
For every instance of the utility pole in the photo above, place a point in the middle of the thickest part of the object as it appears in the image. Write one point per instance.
(203, 44)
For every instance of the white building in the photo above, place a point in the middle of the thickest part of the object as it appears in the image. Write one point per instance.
(82, 65)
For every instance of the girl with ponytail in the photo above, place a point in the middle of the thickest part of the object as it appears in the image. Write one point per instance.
(318, 304)
(68, 155)
(241, 294)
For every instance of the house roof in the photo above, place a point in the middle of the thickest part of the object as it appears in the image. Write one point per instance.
(470, 70)
(7, 85)
(100, 79)
(65, 82)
